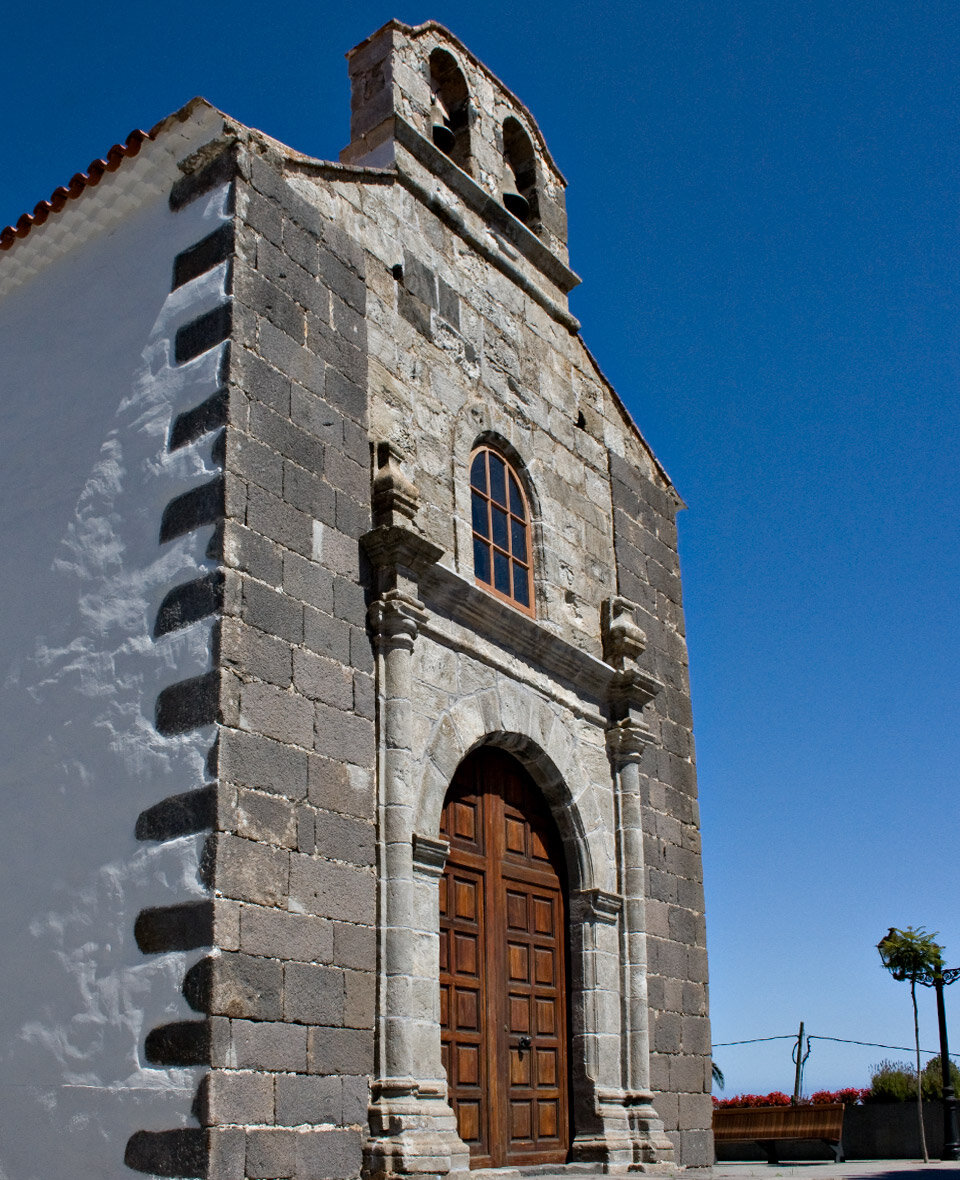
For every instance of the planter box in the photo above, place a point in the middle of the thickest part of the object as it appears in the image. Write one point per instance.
(775, 1129)
(877, 1131)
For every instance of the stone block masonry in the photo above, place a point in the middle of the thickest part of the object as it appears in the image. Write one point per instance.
(648, 569)
(290, 856)
(299, 862)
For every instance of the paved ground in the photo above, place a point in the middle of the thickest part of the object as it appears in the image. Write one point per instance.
(811, 1170)
(855, 1170)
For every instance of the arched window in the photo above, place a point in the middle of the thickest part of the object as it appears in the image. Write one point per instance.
(502, 553)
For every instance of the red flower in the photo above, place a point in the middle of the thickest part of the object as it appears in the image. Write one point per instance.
(824, 1097)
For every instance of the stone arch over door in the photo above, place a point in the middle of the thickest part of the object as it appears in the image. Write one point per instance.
(540, 735)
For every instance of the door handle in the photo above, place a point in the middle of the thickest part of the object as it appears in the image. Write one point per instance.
(524, 1043)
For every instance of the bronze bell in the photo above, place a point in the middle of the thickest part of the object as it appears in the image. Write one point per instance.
(443, 137)
(513, 199)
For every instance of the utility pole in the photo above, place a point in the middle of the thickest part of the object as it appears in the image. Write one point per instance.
(799, 1058)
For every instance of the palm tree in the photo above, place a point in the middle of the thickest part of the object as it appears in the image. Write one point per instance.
(912, 954)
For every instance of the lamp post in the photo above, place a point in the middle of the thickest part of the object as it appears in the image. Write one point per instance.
(942, 976)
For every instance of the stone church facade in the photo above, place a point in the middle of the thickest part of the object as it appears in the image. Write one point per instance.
(403, 873)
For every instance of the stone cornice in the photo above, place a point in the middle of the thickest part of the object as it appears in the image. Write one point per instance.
(392, 546)
(480, 201)
(449, 596)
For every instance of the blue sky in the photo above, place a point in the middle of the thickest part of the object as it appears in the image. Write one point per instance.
(764, 201)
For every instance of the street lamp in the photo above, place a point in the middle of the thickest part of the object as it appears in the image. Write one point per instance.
(942, 976)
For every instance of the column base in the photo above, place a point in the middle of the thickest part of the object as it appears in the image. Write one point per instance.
(413, 1132)
(628, 1137)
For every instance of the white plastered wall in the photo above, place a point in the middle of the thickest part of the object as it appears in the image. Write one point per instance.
(89, 391)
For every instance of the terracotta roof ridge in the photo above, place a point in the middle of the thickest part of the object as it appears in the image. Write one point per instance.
(81, 181)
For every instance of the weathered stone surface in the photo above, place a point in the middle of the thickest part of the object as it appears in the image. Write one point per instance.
(257, 761)
(304, 1099)
(341, 837)
(267, 818)
(269, 1045)
(331, 890)
(247, 870)
(313, 994)
(233, 1096)
(340, 1050)
(281, 935)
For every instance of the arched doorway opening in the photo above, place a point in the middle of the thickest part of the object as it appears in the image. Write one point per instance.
(503, 966)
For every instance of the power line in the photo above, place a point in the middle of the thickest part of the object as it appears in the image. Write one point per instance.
(754, 1041)
(875, 1045)
(838, 1040)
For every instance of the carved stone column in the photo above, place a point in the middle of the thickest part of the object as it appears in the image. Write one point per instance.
(603, 1134)
(627, 736)
(412, 1126)
(625, 743)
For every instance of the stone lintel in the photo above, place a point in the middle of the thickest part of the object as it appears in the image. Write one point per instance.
(395, 547)
(448, 596)
(632, 688)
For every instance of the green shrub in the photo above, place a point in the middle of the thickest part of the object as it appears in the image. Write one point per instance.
(932, 1081)
(892, 1081)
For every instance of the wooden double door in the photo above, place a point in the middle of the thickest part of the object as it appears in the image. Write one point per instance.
(503, 971)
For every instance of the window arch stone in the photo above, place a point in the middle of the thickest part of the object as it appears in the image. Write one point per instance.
(478, 424)
(502, 534)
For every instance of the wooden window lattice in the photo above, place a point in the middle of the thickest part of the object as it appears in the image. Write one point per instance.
(502, 559)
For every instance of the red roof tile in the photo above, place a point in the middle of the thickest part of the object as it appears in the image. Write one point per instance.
(80, 182)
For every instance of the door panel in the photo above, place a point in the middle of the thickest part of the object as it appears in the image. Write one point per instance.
(462, 997)
(502, 966)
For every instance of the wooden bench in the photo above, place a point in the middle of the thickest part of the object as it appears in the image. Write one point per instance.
(765, 1125)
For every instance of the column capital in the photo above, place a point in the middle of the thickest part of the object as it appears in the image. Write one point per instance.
(395, 619)
(429, 856)
(626, 740)
(596, 906)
